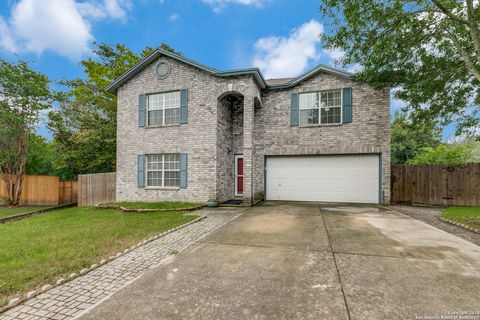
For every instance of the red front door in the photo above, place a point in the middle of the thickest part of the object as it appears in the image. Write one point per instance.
(238, 175)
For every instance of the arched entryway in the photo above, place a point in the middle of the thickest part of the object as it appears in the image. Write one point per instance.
(230, 136)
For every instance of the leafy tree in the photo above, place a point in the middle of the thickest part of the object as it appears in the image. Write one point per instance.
(84, 126)
(409, 138)
(429, 50)
(165, 46)
(23, 94)
(447, 154)
(40, 155)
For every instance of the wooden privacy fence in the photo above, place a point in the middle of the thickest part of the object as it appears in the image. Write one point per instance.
(96, 188)
(436, 184)
(68, 191)
(44, 190)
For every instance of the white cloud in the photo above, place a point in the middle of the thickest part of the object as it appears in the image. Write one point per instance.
(336, 56)
(115, 9)
(289, 56)
(219, 5)
(6, 40)
(173, 17)
(61, 26)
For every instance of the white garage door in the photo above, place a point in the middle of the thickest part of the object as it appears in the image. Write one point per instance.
(349, 178)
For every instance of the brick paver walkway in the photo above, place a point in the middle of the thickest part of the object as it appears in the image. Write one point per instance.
(70, 299)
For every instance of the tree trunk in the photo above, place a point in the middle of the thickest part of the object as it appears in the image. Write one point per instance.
(20, 172)
(13, 172)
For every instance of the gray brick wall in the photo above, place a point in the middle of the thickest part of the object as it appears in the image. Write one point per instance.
(369, 131)
(197, 138)
(229, 143)
(224, 165)
(252, 130)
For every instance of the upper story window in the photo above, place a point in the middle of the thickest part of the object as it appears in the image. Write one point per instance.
(320, 107)
(163, 109)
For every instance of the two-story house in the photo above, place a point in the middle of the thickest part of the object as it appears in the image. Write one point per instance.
(189, 132)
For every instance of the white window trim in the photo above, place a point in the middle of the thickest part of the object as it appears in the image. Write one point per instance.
(161, 170)
(164, 95)
(320, 108)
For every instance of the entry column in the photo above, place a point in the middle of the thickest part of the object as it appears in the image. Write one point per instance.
(248, 124)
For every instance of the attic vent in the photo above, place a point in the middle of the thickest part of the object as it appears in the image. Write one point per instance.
(163, 69)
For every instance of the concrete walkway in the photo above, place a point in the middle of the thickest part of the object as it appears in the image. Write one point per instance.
(309, 261)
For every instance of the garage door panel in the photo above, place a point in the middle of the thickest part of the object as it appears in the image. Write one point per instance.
(323, 178)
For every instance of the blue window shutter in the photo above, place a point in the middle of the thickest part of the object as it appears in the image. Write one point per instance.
(142, 103)
(347, 105)
(183, 170)
(141, 171)
(183, 106)
(294, 110)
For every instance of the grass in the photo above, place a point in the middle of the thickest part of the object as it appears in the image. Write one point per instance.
(41, 249)
(6, 211)
(466, 215)
(156, 205)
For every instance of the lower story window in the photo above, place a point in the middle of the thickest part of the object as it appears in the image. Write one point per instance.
(163, 170)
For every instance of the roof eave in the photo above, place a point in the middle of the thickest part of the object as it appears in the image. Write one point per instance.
(312, 72)
(115, 84)
(254, 71)
(112, 87)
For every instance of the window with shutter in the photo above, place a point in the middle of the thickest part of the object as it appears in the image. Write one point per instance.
(163, 109)
(163, 170)
(323, 107)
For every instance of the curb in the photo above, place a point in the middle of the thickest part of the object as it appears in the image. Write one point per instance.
(461, 225)
(15, 301)
(123, 209)
(25, 215)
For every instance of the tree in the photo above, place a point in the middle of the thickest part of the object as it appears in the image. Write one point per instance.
(23, 94)
(165, 46)
(84, 126)
(40, 155)
(447, 154)
(409, 138)
(429, 50)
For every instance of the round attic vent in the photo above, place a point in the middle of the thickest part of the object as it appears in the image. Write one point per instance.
(163, 69)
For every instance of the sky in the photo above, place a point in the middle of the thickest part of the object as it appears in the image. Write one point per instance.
(281, 37)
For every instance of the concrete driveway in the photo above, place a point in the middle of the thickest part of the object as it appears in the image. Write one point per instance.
(308, 261)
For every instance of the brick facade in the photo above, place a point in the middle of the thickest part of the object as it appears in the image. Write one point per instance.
(232, 115)
(369, 131)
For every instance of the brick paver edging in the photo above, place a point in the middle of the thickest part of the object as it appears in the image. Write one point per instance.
(123, 209)
(462, 225)
(25, 215)
(18, 300)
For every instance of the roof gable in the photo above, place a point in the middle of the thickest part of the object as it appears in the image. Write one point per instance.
(272, 84)
(309, 74)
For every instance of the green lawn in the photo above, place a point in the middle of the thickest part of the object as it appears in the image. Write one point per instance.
(41, 249)
(5, 211)
(466, 215)
(156, 205)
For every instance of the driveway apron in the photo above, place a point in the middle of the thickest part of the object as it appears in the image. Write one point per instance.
(285, 260)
